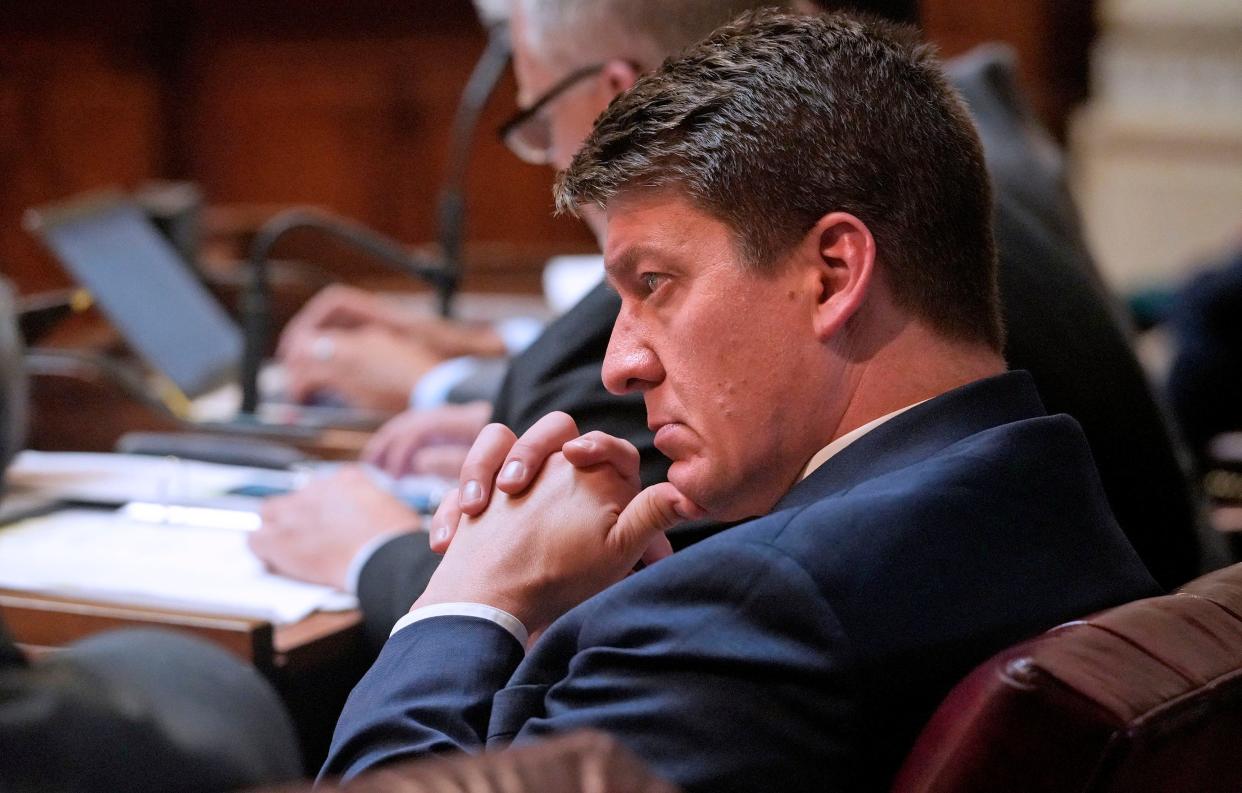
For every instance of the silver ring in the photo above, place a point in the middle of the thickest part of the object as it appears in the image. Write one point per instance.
(323, 348)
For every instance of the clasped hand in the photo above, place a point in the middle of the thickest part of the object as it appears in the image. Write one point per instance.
(541, 523)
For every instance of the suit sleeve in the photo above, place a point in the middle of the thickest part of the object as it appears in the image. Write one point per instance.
(671, 665)
(668, 664)
(390, 581)
(430, 691)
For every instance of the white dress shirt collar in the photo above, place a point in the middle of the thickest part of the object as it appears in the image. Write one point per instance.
(834, 448)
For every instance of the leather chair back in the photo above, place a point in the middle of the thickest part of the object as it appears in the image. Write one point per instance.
(1142, 697)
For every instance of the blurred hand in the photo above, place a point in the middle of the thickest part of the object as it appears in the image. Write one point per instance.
(564, 520)
(338, 307)
(427, 441)
(367, 368)
(315, 533)
(341, 307)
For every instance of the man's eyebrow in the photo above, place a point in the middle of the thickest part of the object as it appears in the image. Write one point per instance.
(624, 264)
(618, 266)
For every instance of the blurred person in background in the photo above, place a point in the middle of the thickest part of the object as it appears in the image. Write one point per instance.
(1205, 382)
(372, 351)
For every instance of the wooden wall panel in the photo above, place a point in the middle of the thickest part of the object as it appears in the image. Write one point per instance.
(344, 104)
(77, 110)
(1051, 37)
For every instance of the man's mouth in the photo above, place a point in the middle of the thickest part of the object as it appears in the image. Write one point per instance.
(666, 436)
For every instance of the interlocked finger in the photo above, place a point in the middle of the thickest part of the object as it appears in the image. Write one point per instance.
(537, 444)
(597, 447)
(444, 522)
(483, 462)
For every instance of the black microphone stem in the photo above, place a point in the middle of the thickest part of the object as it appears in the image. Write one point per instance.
(487, 72)
(256, 299)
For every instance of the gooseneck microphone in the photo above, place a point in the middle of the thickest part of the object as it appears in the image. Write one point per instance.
(444, 274)
(452, 202)
(256, 299)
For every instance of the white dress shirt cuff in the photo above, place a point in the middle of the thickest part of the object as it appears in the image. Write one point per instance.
(432, 389)
(518, 333)
(490, 613)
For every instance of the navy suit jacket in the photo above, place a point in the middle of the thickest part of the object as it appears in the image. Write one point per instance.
(801, 650)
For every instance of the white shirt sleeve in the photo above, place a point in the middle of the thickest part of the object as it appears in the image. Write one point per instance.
(432, 389)
(518, 333)
(354, 571)
(490, 613)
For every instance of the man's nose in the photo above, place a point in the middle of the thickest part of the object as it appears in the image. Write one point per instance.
(630, 364)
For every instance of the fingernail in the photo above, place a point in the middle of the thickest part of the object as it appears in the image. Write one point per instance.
(583, 444)
(513, 470)
(441, 534)
(471, 492)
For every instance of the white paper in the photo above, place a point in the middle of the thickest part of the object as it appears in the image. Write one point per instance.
(105, 556)
(120, 478)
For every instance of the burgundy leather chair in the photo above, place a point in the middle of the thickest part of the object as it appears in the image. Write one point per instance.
(1143, 697)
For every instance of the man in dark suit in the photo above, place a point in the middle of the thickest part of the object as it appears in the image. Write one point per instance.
(1061, 324)
(809, 310)
(1064, 327)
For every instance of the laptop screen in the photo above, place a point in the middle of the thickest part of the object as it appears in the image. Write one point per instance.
(145, 288)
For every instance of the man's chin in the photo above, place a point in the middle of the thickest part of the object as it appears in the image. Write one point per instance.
(685, 476)
(695, 483)
(710, 491)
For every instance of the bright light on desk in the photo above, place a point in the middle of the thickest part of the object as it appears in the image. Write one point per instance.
(196, 517)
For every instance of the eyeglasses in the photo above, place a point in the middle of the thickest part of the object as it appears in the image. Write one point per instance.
(528, 134)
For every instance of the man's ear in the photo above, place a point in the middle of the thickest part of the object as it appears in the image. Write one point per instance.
(844, 258)
(619, 75)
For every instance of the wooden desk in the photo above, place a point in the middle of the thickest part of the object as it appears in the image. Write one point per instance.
(313, 663)
(44, 623)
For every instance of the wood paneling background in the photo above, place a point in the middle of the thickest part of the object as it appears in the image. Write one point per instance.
(1052, 39)
(340, 103)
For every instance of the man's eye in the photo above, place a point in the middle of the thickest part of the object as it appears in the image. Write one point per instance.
(652, 281)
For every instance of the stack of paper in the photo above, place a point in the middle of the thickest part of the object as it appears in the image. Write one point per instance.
(109, 557)
(120, 478)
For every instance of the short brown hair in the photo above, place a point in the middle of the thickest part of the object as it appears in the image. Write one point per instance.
(776, 120)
